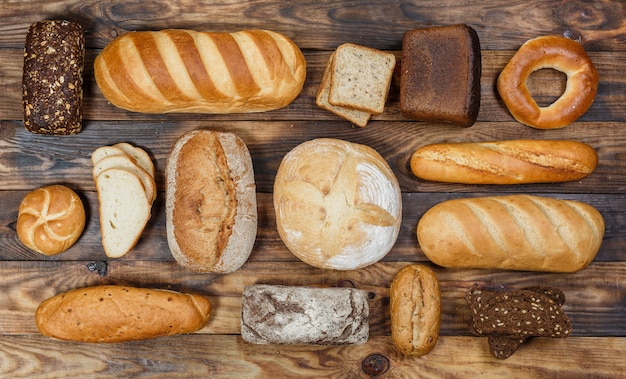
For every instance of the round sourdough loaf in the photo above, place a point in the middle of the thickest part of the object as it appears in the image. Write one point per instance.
(211, 213)
(338, 204)
(50, 219)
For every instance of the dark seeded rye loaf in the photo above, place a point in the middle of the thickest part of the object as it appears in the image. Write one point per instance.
(52, 82)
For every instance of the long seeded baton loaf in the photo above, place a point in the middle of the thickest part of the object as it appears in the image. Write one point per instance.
(513, 232)
(504, 162)
(200, 72)
(112, 313)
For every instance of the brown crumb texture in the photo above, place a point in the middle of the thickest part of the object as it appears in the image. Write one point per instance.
(440, 75)
(52, 83)
(509, 318)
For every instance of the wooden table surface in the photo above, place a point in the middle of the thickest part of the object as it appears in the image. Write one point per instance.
(595, 296)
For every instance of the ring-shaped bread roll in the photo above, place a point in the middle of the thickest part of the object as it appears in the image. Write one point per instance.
(559, 53)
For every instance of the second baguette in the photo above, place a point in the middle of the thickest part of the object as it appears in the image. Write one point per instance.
(514, 232)
(504, 162)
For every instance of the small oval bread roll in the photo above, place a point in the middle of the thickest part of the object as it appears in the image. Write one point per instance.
(112, 313)
(50, 219)
(415, 308)
(513, 232)
(211, 211)
(338, 204)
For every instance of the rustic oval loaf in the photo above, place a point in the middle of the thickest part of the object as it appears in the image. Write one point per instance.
(504, 162)
(514, 232)
(177, 70)
(415, 309)
(210, 204)
(112, 313)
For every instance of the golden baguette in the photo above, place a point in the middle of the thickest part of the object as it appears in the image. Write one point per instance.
(200, 72)
(504, 162)
(514, 232)
(112, 313)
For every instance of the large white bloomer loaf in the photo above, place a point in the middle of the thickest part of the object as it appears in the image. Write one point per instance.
(200, 72)
(515, 232)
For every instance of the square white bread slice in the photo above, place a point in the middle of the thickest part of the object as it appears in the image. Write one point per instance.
(141, 156)
(361, 78)
(357, 117)
(126, 162)
(124, 210)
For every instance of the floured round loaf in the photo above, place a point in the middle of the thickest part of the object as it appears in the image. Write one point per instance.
(211, 213)
(274, 314)
(338, 204)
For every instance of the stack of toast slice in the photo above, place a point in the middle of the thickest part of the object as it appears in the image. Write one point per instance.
(124, 177)
(356, 82)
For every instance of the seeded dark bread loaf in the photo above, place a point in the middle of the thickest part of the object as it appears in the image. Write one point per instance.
(440, 74)
(509, 318)
(274, 314)
(52, 82)
(504, 162)
(211, 212)
(513, 232)
(415, 308)
(112, 313)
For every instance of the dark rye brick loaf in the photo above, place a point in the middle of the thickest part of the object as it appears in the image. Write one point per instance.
(52, 82)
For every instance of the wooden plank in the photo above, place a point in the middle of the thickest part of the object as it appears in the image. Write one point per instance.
(268, 246)
(227, 356)
(594, 295)
(501, 25)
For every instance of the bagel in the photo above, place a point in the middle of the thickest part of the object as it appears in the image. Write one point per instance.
(558, 53)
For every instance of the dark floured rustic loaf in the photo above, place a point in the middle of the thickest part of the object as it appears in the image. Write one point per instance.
(274, 314)
(440, 74)
(52, 83)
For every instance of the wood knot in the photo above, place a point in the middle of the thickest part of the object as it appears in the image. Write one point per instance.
(375, 364)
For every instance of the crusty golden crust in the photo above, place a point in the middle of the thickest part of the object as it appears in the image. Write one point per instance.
(211, 213)
(199, 72)
(415, 309)
(513, 232)
(50, 219)
(504, 162)
(561, 54)
(113, 313)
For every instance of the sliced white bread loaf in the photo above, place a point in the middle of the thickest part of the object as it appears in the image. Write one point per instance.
(125, 162)
(141, 156)
(361, 78)
(124, 210)
(357, 117)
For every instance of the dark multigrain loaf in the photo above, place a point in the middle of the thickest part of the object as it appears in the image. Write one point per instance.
(52, 81)
(509, 318)
(440, 74)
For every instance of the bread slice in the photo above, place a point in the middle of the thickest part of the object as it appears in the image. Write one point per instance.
(361, 78)
(124, 210)
(125, 162)
(141, 156)
(357, 117)
(105, 151)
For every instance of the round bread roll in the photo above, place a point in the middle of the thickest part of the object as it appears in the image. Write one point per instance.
(50, 219)
(211, 211)
(338, 204)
